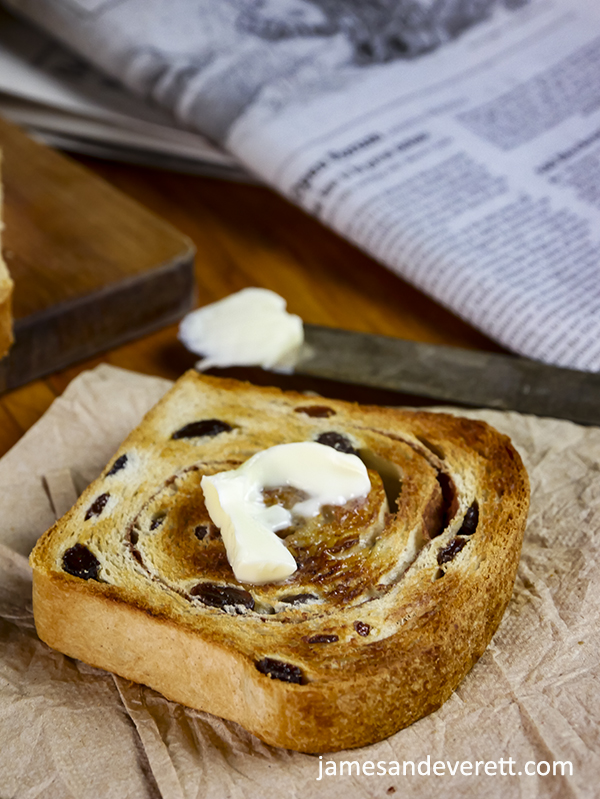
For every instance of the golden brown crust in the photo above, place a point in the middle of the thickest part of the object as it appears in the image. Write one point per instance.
(388, 609)
(6, 290)
(6, 334)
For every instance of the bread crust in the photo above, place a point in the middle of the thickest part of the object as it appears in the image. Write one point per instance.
(403, 602)
(6, 288)
(6, 291)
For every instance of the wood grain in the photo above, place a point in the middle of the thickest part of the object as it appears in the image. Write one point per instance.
(248, 235)
(92, 268)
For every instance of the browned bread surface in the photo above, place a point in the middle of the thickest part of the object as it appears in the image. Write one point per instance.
(6, 290)
(394, 599)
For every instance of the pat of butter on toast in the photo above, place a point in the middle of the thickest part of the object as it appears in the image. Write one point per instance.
(395, 596)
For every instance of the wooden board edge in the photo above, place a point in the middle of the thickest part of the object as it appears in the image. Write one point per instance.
(102, 320)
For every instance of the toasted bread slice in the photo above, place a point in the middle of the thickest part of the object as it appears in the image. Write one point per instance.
(394, 599)
(6, 290)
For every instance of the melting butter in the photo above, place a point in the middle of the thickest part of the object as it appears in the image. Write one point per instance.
(234, 500)
(249, 328)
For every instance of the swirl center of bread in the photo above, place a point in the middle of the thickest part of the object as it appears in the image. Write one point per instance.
(394, 598)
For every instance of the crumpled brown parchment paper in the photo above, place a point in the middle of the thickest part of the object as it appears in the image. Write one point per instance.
(69, 730)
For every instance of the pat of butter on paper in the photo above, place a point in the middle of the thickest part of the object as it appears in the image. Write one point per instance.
(235, 503)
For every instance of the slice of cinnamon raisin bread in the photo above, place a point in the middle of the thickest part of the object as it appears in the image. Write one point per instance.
(6, 290)
(394, 599)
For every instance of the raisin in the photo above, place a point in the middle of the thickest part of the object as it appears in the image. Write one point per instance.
(221, 596)
(323, 638)
(470, 521)
(209, 531)
(157, 521)
(316, 411)
(97, 506)
(337, 441)
(279, 670)
(119, 464)
(362, 628)
(297, 599)
(80, 562)
(448, 553)
(204, 427)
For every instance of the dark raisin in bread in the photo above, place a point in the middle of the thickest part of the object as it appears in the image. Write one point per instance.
(394, 599)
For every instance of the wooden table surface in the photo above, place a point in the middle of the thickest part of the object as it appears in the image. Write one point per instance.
(246, 235)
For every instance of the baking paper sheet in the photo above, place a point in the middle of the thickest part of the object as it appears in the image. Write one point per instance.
(69, 730)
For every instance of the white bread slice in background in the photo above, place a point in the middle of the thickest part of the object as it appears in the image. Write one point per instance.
(6, 291)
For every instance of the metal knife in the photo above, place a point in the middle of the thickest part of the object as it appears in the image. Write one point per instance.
(451, 374)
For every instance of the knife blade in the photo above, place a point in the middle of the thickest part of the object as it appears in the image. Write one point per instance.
(450, 374)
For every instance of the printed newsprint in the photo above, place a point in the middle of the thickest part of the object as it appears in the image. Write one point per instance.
(457, 141)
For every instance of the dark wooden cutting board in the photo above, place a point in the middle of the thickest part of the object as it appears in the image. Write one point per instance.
(92, 268)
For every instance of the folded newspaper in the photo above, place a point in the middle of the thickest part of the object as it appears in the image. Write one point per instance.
(456, 141)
